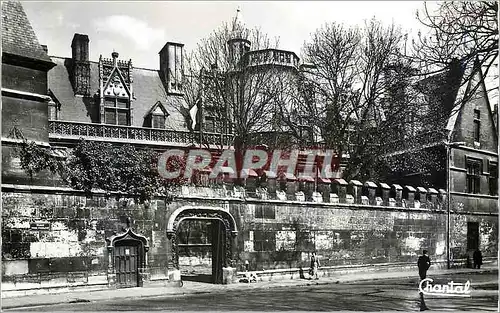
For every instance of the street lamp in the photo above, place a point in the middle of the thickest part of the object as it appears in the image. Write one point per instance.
(448, 146)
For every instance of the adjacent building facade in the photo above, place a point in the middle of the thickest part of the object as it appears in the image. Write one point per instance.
(56, 237)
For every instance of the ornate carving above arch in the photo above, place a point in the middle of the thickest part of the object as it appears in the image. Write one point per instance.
(200, 212)
(203, 213)
(129, 234)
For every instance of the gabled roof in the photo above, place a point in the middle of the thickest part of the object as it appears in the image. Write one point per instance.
(18, 37)
(158, 104)
(475, 83)
(460, 98)
(117, 72)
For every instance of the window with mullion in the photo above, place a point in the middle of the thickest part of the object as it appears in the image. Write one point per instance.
(473, 176)
(158, 121)
(116, 111)
(493, 179)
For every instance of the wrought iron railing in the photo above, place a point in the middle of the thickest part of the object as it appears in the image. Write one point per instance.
(271, 57)
(92, 130)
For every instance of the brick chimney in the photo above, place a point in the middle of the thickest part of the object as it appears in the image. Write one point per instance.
(80, 77)
(80, 47)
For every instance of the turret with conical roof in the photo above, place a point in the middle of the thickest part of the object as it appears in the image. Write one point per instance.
(238, 43)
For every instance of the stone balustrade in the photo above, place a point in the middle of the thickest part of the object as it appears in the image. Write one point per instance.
(77, 130)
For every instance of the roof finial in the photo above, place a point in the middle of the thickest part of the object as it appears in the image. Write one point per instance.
(238, 20)
(115, 55)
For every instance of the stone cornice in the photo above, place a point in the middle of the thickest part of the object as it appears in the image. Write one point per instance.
(25, 94)
(67, 190)
(14, 59)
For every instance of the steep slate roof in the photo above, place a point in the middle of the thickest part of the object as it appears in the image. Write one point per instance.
(476, 80)
(18, 36)
(73, 108)
(148, 89)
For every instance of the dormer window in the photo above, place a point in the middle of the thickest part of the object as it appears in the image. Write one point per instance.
(156, 117)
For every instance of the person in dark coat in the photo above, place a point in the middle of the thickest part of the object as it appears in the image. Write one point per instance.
(424, 262)
(478, 259)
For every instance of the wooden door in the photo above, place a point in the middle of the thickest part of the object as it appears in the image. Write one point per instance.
(472, 236)
(127, 264)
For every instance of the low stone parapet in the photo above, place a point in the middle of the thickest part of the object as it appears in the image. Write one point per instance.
(328, 271)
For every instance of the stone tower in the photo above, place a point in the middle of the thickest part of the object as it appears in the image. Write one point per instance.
(238, 43)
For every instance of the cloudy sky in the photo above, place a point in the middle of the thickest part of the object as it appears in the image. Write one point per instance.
(138, 30)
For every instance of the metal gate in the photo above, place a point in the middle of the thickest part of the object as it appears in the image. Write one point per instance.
(127, 260)
(218, 250)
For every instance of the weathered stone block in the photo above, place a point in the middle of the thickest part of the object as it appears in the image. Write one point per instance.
(299, 196)
(281, 195)
(271, 186)
(14, 267)
(349, 199)
(356, 190)
(317, 197)
(397, 194)
(365, 200)
(410, 196)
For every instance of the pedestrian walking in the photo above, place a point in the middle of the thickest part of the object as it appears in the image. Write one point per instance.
(478, 259)
(424, 262)
(314, 265)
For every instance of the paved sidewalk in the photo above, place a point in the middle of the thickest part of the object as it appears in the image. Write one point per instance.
(190, 287)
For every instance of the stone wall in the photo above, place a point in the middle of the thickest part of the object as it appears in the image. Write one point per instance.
(59, 238)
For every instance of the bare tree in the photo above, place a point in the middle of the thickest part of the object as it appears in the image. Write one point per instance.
(464, 31)
(235, 78)
(356, 91)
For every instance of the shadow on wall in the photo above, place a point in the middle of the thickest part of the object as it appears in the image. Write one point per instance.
(91, 102)
(92, 107)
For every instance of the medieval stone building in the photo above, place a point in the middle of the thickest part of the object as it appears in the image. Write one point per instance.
(55, 237)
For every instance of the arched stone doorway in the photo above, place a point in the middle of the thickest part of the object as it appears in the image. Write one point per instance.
(127, 259)
(224, 231)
